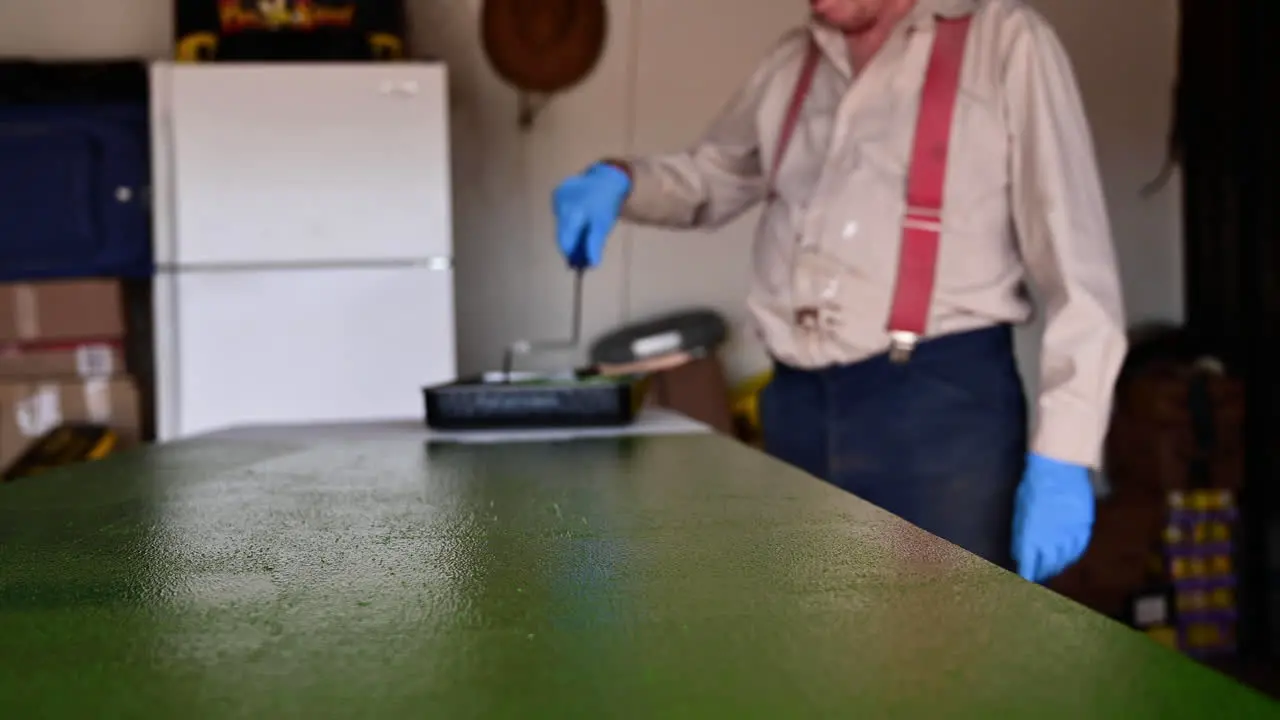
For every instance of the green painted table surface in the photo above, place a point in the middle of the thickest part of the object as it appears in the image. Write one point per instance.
(669, 577)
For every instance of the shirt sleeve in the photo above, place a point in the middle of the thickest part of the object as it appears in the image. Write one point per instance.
(1065, 241)
(722, 175)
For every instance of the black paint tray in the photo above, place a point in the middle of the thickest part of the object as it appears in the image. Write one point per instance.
(527, 401)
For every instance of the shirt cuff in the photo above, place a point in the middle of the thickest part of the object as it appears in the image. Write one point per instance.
(647, 202)
(1069, 435)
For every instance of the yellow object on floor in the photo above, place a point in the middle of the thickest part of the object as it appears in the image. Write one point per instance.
(745, 399)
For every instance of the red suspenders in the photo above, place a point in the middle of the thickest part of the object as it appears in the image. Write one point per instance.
(926, 179)
(811, 55)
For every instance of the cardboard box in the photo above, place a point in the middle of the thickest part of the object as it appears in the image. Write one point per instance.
(696, 388)
(81, 310)
(28, 410)
(84, 361)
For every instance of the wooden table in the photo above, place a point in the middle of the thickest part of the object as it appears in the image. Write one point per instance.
(648, 577)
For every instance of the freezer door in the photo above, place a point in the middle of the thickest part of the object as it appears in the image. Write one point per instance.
(302, 163)
(299, 346)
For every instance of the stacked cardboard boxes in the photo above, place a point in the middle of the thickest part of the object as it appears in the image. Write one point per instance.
(62, 361)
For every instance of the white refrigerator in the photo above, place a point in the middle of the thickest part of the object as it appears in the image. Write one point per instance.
(303, 243)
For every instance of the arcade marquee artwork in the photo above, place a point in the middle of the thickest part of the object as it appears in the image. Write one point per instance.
(221, 30)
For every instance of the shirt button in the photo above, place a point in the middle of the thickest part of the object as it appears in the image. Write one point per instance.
(831, 289)
(850, 229)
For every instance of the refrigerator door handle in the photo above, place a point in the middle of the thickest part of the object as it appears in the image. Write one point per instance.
(402, 88)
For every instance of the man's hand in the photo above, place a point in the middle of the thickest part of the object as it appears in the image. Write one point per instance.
(587, 207)
(1053, 518)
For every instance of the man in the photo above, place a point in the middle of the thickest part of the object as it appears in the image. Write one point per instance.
(927, 421)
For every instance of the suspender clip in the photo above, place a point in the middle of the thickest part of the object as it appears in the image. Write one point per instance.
(901, 345)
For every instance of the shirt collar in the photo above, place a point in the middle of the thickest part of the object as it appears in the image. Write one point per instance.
(921, 18)
(927, 10)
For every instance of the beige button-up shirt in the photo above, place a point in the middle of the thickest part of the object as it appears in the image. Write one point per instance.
(1022, 202)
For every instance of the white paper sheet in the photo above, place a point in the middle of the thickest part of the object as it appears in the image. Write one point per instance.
(651, 421)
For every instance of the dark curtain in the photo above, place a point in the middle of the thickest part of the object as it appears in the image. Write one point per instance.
(1225, 140)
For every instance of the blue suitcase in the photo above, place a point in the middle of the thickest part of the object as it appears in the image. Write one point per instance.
(74, 191)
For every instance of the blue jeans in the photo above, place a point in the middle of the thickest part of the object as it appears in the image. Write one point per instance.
(939, 441)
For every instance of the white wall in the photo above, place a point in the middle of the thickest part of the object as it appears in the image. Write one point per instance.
(669, 66)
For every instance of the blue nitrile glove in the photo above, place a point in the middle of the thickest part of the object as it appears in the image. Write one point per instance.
(587, 207)
(1052, 517)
